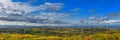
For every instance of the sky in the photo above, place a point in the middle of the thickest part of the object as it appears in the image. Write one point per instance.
(60, 11)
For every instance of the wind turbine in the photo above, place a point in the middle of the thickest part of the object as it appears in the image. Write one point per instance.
(82, 21)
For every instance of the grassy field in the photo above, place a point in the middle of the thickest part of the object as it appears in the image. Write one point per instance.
(59, 34)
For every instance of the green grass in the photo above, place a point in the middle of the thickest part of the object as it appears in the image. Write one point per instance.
(59, 34)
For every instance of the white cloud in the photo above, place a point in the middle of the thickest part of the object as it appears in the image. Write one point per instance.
(95, 20)
(92, 10)
(10, 9)
(7, 6)
(114, 14)
(18, 13)
(51, 15)
(51, 6)
(75, 9)
(9, 23)
(111, 21)
(92, 18)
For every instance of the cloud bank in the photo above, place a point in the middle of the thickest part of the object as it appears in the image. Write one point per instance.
(21, 12)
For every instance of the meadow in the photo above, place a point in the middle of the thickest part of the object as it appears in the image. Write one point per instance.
(59, 34)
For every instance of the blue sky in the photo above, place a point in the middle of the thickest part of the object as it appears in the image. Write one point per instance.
(82, 8)
(60, 10)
